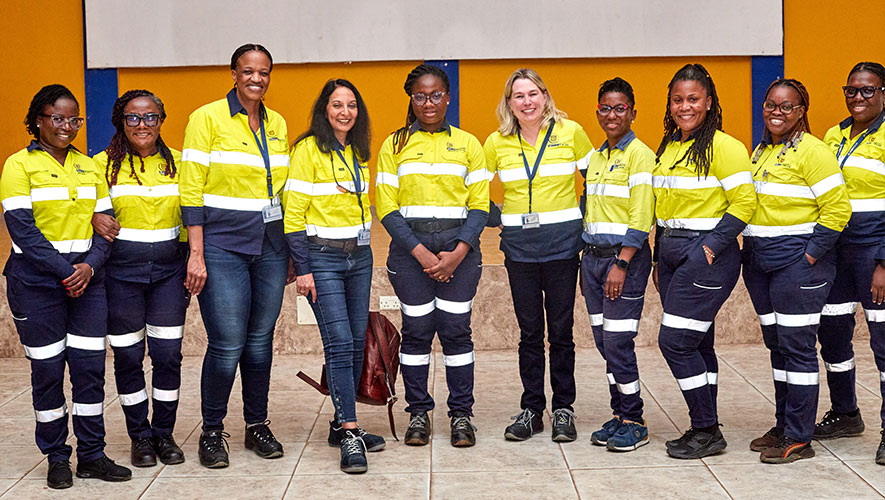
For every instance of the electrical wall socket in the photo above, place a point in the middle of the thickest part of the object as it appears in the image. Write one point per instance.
(304, 312)
(388, 303)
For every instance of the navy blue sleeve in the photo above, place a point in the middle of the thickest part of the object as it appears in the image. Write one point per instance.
(725, 233)
(298, 249)
(473, 226)
(101, 248)
(822, 240)
(657, 244)
(494, 215)
(192, 216)
(399, 231)
(33, 245)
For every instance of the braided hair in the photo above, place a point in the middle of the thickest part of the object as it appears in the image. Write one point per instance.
(701, 151)
(796, 85)
(619, 85)
(874, 68)
(119, 149)
(47, 96)
(401, 135)
(249, 47)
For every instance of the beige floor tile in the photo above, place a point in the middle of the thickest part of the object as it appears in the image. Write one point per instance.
(497, 454)
(659, 483)
(16, 461)
(811, 478)
(731, 391)
(6, 396)
(20, 365)
(738, 451)
(583, 454)
(861, 447)
(6, 484)
(346, 487)
(495, 485)
(18, 430)
(320, 458)
(243, 463)
(16, 404)
(870, 471)
(214, 488)
(83, 489)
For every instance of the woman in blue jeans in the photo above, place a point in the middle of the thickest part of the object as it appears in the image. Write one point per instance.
(234, 165)
(327, 227)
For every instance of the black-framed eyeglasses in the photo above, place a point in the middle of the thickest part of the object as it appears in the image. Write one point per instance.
(149, 119)
(420, 98)
(58, 121)
(865, 92)
(786, 107)
(620, 109)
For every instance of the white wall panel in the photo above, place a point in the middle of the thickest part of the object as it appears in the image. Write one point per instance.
(159, 33)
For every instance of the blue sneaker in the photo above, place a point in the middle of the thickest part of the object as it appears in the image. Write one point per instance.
(629, 436)
(608, 430)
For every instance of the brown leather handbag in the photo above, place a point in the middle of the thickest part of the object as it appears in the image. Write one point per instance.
(380, 367)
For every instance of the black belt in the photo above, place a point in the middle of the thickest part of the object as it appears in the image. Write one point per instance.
(683, 233)
(435, 225)
(348, 245)
(602, 252)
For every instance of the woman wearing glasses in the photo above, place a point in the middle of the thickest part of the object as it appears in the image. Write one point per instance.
(703, 199)
(55, 284)
(535, 152)
(859, 144)
(432, 196)
(233, 167)
(617, 258)
(145, 273)
(327, 227)
(789, 261)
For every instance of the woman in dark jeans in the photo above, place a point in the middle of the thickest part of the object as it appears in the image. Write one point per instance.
(327, 227)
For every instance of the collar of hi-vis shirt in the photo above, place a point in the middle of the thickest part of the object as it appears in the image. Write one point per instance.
(848, 122)
(622, 144)
(415, 126)
(235, 106)
(36, 145)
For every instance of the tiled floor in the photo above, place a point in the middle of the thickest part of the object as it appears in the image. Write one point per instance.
(495, 468)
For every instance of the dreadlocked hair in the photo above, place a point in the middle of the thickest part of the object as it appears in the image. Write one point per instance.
(119, 149)
(401, 135)
(700, 153)
(47, 96)
(873, 67)
(796, 85)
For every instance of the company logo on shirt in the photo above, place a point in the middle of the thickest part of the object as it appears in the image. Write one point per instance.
(617, 165)
(451, 147)
(78, 169)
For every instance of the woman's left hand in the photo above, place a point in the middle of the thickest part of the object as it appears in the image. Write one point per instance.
(614, 283)
(878, 285)
(76, 283)
(305, 285)
(448, 262)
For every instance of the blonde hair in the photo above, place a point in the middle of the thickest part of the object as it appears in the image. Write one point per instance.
(508, 123)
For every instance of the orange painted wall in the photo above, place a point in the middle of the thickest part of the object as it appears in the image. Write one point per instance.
(33, 63)
(822, 42)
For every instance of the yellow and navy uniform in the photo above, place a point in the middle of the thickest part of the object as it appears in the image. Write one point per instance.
(722, 201)
(224, 182)
(48, 210)
(553, 191)
(321, 198)
(862, 160)
(148, 247)
(802, 202)
(439, 175)
(620, 202)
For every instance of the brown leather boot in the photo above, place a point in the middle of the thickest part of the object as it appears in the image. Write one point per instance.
(768, 440)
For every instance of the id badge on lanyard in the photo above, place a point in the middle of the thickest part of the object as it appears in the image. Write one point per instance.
(532, 220)
(274, 211)
(364, 236)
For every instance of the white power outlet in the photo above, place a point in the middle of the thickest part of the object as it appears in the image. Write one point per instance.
(304, 312)
(388, 303)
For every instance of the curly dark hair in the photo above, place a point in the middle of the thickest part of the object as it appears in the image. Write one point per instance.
(617, 84)
(47, 96)
(700, 153)
(401, 136)
(358, 137)
(119, 149)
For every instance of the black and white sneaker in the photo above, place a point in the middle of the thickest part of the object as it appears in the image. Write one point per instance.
(336, 435)
(260, 440)
(527, 424)
(836, 425)
(353, 453)
(564, 425)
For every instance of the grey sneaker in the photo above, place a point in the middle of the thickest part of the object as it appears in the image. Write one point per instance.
(564, 425)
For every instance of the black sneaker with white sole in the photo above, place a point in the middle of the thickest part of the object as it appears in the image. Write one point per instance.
(527, 424)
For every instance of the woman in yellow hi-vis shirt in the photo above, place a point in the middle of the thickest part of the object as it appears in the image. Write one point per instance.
(432, 196)
(233, 167)
(536, 152)
(327, 227)
(704, 199)
(55, 283)
(146, 295)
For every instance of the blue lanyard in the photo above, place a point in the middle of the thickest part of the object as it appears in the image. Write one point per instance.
(355, 176)
(265, 154)
(856, 144)
(533, 172)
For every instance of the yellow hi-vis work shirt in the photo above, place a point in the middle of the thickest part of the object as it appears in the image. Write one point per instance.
(802, 202)
(148, 247)
(722, 201)
(321, 198)
(223, 181)
(553, 191)
(48, 209)
(439, 175)
(620, 201)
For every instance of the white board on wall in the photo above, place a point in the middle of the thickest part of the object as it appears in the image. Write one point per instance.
(162, 33)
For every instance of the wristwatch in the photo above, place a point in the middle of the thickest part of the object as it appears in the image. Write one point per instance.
(622, 264)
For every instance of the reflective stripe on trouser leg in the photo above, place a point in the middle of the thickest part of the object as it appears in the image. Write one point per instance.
(126, 333)
(593, 276)
(694, 292)
(877, 343)
(165, 314)
(415, 291)
(87, 329)
(454, 302)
